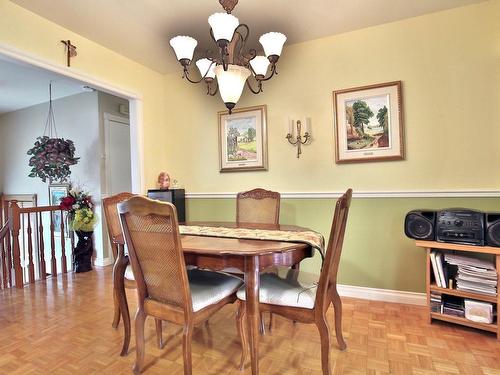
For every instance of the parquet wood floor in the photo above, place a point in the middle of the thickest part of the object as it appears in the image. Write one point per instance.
(63, 327)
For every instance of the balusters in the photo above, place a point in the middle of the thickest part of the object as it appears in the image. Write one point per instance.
(8, 247)
(16, 255)
(53, 261)
(63, 245)
(31, 266)
(41, 248)
(9, 259)
(3, 281)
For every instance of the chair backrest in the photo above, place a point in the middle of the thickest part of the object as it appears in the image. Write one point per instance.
(328, 277)
(109, 205)
(258, 206)
(151, 233)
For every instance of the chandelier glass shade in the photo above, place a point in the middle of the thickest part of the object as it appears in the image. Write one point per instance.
(231, 66)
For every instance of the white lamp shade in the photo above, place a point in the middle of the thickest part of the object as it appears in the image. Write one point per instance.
(272, 43)
(259, 65)
(231, 82)
(223, 25)
(183, 46)
(206, 67)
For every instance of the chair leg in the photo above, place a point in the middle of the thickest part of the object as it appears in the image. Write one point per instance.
(117, 313)
(337, 306)
(240, 323)
(119, 287)
(159, 337)
(324, 333)
(187, 338)
(262, 325)
(271, 323)
(140, 319)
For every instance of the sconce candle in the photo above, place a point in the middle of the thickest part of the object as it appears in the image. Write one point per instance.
(299, 139)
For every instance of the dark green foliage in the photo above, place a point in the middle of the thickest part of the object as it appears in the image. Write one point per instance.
(383, 118)
(51, 158)
(362, 114)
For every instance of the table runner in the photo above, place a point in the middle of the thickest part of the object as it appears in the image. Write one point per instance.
(312, 238)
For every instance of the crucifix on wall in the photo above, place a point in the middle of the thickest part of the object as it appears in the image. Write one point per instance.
(70, 51)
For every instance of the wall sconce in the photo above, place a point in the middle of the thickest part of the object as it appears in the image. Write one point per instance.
(299, 139)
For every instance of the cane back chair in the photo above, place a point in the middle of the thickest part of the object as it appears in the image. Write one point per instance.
(258, 206)
(166, 290)
(123, 277)
(302, 297)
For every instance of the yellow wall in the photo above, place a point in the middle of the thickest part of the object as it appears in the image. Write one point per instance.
(449, 63)
(37, 36)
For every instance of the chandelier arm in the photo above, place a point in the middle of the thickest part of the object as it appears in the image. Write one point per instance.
(250, 55)
(186, 74)
(216, 88)
(271, 74)
(259, 87)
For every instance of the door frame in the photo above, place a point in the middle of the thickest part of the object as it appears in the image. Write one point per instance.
(107, 170)
(135, 104)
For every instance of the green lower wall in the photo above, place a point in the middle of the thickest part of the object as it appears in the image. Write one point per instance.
(376, 252)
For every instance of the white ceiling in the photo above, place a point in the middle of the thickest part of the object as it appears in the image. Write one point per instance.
(22, 86)
(141, 29)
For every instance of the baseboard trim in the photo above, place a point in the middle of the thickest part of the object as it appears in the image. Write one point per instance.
(364, 194)
(103, 262)
(384, 295)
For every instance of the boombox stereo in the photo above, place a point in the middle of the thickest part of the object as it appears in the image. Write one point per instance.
(493, 229)
(460, 226)
(456, 225)
(419, 224)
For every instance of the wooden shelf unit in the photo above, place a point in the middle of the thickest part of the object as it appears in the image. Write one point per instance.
(432, 287)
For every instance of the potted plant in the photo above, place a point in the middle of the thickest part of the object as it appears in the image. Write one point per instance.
(82, 220)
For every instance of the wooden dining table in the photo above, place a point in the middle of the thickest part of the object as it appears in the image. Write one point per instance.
(250, 256)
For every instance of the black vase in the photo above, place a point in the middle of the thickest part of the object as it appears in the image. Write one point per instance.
(82, 255)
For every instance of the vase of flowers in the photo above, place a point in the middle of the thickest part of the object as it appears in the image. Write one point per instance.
(82, 220)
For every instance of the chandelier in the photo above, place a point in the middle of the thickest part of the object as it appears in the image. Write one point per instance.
(231, 66)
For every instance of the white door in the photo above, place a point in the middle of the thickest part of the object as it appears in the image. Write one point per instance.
(117, 154)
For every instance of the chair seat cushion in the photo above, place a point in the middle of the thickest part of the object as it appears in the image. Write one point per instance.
(208, 288)
(288, 287)
(129, 274)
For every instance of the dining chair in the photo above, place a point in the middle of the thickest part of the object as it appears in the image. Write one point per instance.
(305, 297)
(166, 290)
(262, 207)
(122, 265)
(258, 206)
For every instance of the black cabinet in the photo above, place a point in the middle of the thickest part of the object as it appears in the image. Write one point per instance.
(175, 196)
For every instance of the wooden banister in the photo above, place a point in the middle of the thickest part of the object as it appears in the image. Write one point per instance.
(29, 221)
(15, 225)
(4, 259)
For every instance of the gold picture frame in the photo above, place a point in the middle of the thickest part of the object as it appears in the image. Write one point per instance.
(368, 123)
(243, 139)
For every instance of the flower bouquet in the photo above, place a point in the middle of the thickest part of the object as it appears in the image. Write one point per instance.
(82, 219)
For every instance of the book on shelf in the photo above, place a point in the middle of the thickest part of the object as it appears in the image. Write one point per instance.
(435, 269)
(453, 306)
(474, 275)
(440, 270)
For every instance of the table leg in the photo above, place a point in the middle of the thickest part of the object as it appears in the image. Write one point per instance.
(252, 305)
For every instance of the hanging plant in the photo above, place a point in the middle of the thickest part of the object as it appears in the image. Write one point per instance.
(52, 157)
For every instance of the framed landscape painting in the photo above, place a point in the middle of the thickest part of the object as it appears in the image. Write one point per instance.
(369, 123)
(243, 139)
(56, 193)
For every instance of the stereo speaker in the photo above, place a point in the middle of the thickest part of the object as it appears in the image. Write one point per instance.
(419, 224)
(493, 229)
